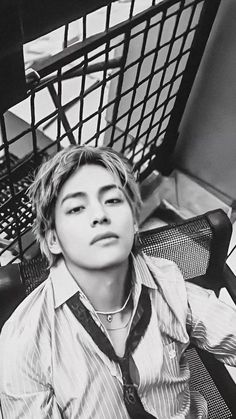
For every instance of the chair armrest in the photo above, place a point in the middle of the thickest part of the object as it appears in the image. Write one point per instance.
(230, 282)
(12, 290)
(221, 378)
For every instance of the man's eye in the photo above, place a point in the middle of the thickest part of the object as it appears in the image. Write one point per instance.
(114, 201)
(76, 210)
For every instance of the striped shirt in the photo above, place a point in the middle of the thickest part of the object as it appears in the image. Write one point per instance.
(50, 366)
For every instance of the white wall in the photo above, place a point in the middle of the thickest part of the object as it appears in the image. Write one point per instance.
(207, 143)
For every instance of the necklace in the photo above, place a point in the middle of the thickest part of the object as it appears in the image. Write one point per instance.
(114, 329)
(109, 314)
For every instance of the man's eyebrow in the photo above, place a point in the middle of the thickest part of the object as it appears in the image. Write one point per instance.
(106, 188)
(80, 194)
(73, 195)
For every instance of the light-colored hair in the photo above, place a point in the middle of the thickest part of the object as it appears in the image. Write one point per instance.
(53, 173)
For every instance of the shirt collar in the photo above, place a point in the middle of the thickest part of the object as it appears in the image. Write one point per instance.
(141, 271)
(63, 283)
(65, 286)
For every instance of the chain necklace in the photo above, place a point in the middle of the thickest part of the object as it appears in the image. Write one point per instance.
(109, 314)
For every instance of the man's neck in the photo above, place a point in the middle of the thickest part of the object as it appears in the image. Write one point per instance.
(105, 289)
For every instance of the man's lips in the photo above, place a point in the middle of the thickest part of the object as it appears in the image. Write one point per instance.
(103, 236)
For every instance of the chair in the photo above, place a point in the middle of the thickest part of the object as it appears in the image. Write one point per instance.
(199, 247)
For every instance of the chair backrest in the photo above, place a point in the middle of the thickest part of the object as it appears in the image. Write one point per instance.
(12, 291)
(198, 246)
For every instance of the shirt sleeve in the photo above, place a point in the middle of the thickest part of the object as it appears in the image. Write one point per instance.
(211, 324)
(25, 388)
(39, 404)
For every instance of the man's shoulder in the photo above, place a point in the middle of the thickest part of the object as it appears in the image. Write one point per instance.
(29, 312)
(26, 337)
(167, 275)
(171, 297)
(164, 268)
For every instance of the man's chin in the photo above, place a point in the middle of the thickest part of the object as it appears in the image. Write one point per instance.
(109, 263)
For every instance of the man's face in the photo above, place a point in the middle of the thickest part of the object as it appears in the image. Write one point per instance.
(94, 224)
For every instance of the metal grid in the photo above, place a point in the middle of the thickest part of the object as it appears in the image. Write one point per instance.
(119, 87)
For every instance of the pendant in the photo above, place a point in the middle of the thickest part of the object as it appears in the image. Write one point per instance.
(109, 318)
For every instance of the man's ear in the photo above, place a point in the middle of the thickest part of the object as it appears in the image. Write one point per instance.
(53, 242)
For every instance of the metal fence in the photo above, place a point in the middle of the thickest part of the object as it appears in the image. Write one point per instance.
(124, 83)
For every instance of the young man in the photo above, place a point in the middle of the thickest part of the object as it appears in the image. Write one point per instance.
(104, 336)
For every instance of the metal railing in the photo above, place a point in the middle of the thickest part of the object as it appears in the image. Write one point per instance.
(124, 86)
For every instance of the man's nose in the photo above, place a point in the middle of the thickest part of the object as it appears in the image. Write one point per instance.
(99, 216)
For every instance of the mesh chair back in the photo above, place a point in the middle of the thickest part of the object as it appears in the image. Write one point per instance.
(184, 244)
(198, 246)
(33, 273)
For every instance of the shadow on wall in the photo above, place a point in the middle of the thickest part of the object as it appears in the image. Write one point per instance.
(207, 145)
